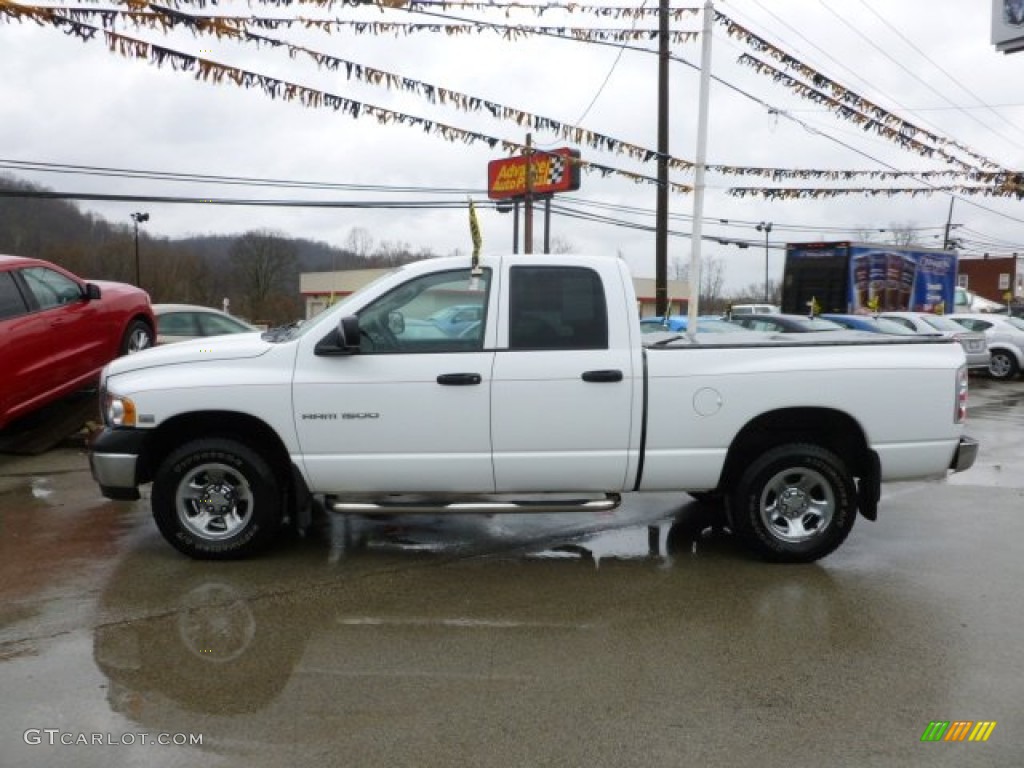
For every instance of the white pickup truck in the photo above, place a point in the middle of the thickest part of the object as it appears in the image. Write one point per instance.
(548, 398)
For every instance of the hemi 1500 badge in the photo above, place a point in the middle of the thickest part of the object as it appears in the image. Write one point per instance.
(335, 416)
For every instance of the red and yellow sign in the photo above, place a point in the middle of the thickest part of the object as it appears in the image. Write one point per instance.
(553, 171)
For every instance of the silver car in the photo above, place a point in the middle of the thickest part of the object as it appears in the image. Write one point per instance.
(181, 322)
(1005, 335)
(974, 343)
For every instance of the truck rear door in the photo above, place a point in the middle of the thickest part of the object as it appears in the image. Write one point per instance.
(564, 385)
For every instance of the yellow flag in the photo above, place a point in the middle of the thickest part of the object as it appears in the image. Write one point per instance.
(474, 231)
(873, 303)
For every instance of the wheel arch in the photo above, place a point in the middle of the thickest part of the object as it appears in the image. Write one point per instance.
(126, 327)
(244, 427)
(143, 317)
(1011, 349)
(827, 427)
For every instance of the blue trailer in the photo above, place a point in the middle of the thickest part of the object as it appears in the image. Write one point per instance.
(846, 277)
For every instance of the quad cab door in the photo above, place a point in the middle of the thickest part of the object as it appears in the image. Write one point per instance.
(566, 394)
(410, 411)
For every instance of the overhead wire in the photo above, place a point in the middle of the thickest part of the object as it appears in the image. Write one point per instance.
(740, 90)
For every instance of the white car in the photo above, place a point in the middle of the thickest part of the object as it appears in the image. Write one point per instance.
(1005, 335)
(974, 342)
(181, 322)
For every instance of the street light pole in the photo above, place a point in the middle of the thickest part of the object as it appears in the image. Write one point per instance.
(138, 218)
(766, 227)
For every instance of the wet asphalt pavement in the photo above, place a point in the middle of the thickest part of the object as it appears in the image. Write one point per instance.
(617, 639)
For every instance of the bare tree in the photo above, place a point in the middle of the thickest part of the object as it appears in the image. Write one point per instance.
(264, 264)
(903, 234)
(359, 242)
(712, 279)
(677, 268)
(562, 245)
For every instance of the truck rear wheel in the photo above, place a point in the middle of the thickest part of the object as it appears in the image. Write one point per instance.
(216, 499)
(795, 504)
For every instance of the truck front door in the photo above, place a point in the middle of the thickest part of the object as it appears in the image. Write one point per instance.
(411, 411)
(564, 383)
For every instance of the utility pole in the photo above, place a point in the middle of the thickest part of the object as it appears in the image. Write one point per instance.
(766, 227)
(697, 235)
(661, 212)
(949, 223)
(138, 218)
(528, 225)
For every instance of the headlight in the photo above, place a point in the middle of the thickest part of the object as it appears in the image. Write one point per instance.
(118, 411)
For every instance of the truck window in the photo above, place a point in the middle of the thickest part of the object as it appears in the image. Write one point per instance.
(557, 308)
(439, 312)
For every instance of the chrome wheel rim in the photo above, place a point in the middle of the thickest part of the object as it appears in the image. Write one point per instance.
(214, 502)
(999, 366)
(797, 504)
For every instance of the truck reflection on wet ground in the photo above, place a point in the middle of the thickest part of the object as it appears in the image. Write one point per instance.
(641, 637)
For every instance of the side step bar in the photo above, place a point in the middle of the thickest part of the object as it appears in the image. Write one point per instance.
(609, 502)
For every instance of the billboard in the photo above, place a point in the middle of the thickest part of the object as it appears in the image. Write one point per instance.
(1008, 25)
(553, 171)
(865, 278)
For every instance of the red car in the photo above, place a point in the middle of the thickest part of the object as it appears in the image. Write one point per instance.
(58, 331)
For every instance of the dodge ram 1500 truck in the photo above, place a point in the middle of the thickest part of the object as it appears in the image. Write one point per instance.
(551, 401)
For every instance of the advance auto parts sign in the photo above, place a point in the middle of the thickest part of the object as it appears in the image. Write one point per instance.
(553, 171)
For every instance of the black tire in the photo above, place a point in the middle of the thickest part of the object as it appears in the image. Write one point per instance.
(1002, 366)
(794, 504)
(137, 336)
(216, 499)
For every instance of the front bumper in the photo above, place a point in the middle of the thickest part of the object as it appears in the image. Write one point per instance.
(966, 453)
(114, 459)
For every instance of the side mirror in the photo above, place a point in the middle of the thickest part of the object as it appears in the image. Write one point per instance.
(92, 291)
(348, 334)
(342, 341)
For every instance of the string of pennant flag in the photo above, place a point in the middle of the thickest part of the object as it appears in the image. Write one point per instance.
(161, 18)
(210, 71)
(70, 19)
(444, 6)
(846, 102)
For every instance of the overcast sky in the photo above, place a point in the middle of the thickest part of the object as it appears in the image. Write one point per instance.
(929, 62)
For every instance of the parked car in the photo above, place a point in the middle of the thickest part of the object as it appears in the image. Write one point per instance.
(181, 322)
(965, 301)
(780, 323)
(1005, 336)
(679, 324)
(754, 309)
(57, 331)
(974, 343)
(870, 323)
(456, 319)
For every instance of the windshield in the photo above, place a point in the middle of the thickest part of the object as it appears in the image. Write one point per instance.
(885, 325)
(940, 323)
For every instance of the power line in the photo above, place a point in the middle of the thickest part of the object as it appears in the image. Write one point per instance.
(960, 85)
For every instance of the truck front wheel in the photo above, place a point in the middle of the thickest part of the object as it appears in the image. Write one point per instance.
(796, 503)
(216, 499)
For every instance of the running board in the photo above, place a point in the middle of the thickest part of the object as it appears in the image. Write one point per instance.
(607, 504)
